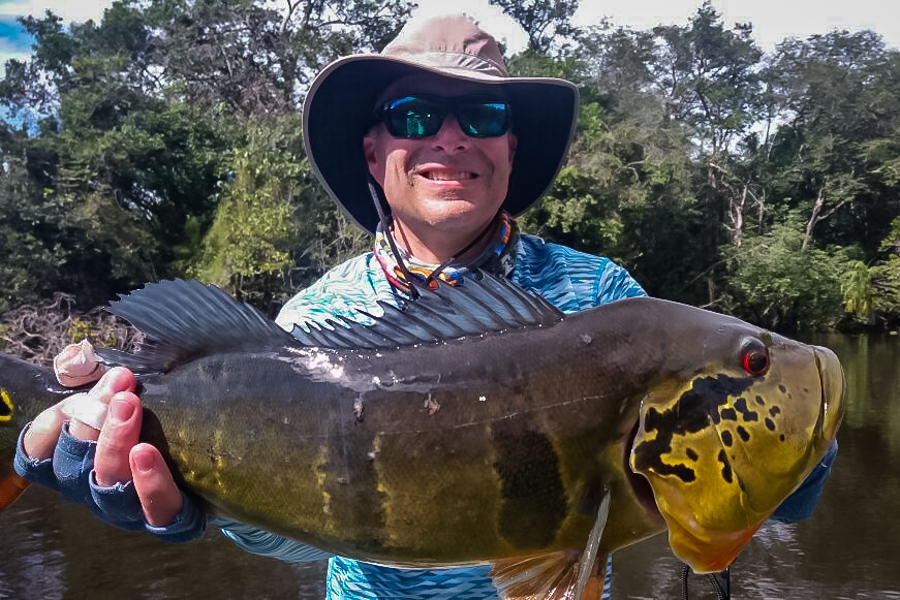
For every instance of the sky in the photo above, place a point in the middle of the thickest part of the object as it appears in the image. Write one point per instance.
(772, 20)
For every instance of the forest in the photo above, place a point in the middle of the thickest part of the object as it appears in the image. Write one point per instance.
(166, 141)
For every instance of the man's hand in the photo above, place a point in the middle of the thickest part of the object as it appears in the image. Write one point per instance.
(110, 414)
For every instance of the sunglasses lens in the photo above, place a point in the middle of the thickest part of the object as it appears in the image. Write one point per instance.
(416, 117)
(411, 117)
(483, 119)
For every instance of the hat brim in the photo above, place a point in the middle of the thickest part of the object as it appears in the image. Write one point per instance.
(338, 111)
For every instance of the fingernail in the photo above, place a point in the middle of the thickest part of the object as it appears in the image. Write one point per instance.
(143, 461)
(121, 410)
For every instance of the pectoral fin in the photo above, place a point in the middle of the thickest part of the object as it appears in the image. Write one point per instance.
(556, 575)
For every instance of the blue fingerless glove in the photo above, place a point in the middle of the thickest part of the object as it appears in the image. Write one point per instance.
(71, 473)
(800, 504)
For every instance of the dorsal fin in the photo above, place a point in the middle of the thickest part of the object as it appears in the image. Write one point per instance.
(183, 320)
(482, 304)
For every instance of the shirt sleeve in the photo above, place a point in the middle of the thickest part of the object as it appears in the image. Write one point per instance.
(803, 501)
(265, 543)
(615, 283)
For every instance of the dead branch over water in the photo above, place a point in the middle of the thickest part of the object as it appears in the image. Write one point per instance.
(37, 332)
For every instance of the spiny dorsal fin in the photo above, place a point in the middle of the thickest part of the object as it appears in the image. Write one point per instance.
(183, 320)
(482, 304)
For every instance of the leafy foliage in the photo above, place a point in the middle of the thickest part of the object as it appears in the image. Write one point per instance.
(165, 141)
(776, 284)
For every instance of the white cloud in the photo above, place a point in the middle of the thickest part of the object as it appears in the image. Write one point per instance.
(773, 20)
(69, 10)
(493, 20)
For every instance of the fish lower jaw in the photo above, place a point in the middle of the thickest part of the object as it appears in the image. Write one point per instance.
(707, 551)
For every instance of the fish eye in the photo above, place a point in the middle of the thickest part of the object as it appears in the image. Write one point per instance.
(756, 359)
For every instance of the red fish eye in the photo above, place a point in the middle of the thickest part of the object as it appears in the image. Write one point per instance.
(756, 362)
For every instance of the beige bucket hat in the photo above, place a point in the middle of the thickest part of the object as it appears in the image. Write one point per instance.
(340, 104)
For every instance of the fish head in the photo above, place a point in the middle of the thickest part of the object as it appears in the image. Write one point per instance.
(724, 444)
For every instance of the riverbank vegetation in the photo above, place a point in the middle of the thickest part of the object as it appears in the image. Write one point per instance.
(164, 141)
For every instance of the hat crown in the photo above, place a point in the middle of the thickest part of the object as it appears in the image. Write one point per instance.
(452, 42)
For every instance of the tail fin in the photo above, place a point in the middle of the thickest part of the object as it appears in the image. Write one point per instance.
(25, 390)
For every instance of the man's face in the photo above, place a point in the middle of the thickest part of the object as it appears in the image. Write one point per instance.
(449, 184)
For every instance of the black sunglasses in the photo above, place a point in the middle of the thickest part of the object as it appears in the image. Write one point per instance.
(414, 117)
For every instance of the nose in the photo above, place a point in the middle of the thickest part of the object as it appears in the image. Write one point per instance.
(450, 137)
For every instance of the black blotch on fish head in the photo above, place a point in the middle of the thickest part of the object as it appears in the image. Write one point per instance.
(770, 424)
(726, 438)
(694, 411)
(691, 454)
(760, 401)
(746, 413)
(781, 388)
(726, 467)
(781, 437)
(743, 433)
(774, 411)
(534, 498)
(728, 414)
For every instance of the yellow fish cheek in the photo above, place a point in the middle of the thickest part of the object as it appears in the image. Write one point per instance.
(693, 450)
(705, 517)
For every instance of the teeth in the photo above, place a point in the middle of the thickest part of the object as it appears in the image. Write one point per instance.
(448, 176)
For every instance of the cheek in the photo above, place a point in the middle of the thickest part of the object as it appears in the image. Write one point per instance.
(503, 154)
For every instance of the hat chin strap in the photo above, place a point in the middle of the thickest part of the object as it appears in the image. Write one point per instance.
(386, 220)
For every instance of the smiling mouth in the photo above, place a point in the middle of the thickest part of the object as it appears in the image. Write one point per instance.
(435, 175)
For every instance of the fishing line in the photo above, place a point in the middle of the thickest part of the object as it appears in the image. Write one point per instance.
(720, 581)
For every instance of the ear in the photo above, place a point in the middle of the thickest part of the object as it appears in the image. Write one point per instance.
(370, 150)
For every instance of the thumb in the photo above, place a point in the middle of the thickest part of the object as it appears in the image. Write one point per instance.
(77, 364)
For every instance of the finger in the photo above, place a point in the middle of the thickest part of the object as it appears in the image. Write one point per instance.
(77, 364)
(117, 379)
(87, 412)
(118, 435)
(160, 497)
(85, 415)
(40, 439)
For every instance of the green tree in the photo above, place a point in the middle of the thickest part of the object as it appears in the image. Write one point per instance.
(137, 118)
(839, 100)
(546, 22)
(774, 283)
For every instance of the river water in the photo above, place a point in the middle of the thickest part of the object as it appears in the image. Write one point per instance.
(850, 548)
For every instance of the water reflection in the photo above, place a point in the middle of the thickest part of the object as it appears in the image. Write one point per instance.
(52, 550)
(848, 549)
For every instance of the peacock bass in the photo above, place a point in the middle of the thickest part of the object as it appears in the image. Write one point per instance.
(475, 425)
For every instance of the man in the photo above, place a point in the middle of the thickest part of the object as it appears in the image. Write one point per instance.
(432, 147)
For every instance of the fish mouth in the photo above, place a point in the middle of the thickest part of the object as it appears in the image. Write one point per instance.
(834, 393)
